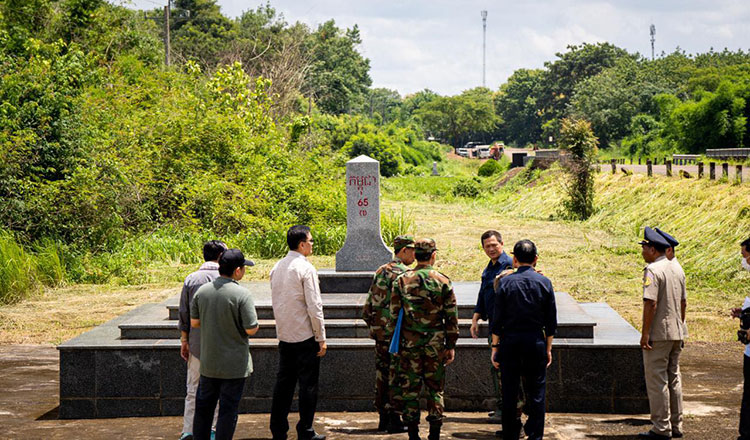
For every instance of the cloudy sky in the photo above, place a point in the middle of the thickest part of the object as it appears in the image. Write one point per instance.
(437, 44)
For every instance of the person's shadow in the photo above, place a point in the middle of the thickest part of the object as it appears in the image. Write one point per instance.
(476, 435)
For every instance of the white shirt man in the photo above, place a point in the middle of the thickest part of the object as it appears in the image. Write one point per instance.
(298, 311)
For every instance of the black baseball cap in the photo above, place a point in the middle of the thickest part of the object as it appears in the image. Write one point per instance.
(231, 259)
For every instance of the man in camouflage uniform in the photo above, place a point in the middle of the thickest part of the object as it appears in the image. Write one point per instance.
(376, 313)
(428, 337)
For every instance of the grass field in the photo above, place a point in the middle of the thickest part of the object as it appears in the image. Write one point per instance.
(597, 260)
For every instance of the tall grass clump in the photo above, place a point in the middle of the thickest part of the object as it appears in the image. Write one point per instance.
(18, 270)
(395, 223)
(50, 263)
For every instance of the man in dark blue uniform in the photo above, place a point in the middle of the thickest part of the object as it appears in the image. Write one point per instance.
(523, 326)
(492, 244)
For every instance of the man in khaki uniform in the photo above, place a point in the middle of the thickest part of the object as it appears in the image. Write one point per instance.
(664, 303)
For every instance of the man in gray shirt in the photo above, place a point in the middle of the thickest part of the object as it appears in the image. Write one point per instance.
(225, 313)
(190, 338)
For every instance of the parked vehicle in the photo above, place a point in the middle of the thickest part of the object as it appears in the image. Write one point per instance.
(468, 150)
(483, 151)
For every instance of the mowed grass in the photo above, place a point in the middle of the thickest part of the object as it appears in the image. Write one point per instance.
(599, 260)
(595, 261)
(56, 315)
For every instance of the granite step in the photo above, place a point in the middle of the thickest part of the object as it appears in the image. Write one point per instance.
(333, 307)
(335, 329)
(573, 321)
(151, 324)
(104, 375)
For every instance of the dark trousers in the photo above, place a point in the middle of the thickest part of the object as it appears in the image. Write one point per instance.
(298, 362)
(523, 355)
(745, 408)
(228, 393)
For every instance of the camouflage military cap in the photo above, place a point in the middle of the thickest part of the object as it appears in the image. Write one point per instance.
(425, 246)
(403, 241)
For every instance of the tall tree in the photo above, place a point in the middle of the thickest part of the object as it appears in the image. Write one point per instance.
(268, 47)
(455, 119)
(383, 104)
(339, 75)
(562, 75)
(415, 101)
(516, 105)
(199, 31)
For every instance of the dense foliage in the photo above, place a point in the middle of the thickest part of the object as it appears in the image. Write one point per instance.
(107, 153)
(104, 149)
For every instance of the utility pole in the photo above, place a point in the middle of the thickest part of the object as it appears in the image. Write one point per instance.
(484, 47)
(166, 33)
(653, 38)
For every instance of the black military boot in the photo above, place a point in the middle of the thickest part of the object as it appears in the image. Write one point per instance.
(414, 431)
(395, 425)
(435, 430)
(383, 424)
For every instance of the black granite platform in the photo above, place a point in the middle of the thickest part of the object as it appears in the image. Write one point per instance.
(332, 281)
(130, 366)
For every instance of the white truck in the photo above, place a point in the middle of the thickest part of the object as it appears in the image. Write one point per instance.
(468, 150)
(483, 151)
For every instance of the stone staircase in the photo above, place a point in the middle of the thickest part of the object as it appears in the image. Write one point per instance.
(131, 366)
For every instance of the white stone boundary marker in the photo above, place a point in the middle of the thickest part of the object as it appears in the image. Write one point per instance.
(364, 249)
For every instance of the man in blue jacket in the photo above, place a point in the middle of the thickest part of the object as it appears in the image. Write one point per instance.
(523, 325)
(492, 244)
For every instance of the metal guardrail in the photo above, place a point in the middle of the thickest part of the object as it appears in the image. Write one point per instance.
(728, 153)
(684, 159)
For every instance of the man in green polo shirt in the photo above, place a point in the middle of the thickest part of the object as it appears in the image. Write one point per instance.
(225, 313)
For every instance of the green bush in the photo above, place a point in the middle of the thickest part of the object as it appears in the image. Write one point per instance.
(489, 168)
(466, 188)
(378, 147)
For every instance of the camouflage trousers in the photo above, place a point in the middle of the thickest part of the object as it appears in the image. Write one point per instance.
(386, 388)
(418, 367)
